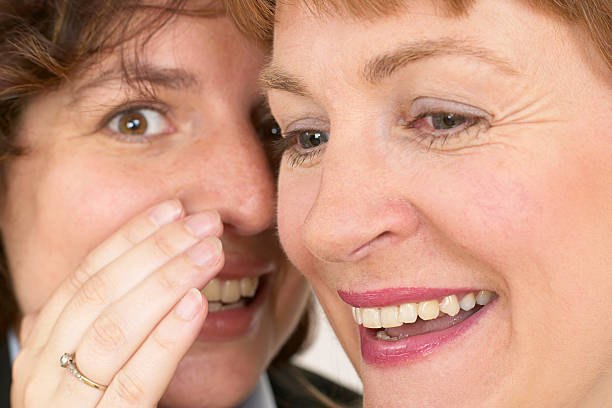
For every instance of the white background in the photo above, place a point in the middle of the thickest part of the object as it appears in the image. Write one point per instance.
(326, 357)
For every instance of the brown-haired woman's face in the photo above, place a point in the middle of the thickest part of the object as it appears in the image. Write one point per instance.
(100, 151)
(430, 158)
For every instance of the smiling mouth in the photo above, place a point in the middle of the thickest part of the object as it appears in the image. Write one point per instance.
(397, 322)
(230, 294)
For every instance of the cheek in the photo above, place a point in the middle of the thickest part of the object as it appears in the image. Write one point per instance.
(295, 199)
(291, 293)
(486, 212)
(94, 201)
(67, 209)
(542, 227)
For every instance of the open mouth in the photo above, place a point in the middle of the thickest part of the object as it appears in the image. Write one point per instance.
(235, 306)
(230, 294)
(402, 324)
(413, 319)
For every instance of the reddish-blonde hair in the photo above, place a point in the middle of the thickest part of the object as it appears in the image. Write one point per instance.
(256, 17)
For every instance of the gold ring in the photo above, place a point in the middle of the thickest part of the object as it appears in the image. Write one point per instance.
(67, 361)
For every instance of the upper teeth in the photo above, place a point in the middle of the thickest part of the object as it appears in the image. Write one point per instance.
(394, 316)
(230, 291)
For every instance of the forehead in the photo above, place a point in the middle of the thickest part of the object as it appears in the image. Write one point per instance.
(309, 18)
(373, 8)
(187, 52)
(306, 41)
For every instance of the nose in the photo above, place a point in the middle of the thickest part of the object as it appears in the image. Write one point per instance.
(231, 174)
(357, 211)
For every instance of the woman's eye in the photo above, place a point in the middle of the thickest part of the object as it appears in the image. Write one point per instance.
(446, 130)
(442, 122)
(138, 124)
(445, 121)
(302, 146)
(311, 139)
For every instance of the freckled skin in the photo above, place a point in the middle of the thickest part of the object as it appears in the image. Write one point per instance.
(521, 207)
(78, 184)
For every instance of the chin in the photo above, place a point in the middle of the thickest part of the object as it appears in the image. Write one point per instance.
(220, 378)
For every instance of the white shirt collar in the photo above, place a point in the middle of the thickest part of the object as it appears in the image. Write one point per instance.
(13, 345)
(261, 397)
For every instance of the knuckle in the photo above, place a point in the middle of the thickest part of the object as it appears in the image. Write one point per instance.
(81, 275)
(31, 394)
(19, 364)
(164, 246)
(164, 342)
(168, 280)
(128, 388)
(176, 275)
(107, 333)
(95, 291)
(131, 235)
(25, 386)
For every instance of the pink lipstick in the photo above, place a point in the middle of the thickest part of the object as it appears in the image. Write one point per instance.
(390, 336)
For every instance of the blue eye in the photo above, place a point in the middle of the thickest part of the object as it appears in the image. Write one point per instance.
(311, 139)
(142, 123)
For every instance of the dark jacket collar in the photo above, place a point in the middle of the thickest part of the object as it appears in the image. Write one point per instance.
(288, 383)
(5, 372)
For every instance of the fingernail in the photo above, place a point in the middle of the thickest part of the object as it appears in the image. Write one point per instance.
(166, 212)
(206, 252)
(189, 305)
(203, 224)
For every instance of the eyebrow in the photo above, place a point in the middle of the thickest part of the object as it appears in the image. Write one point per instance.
(274, 77)
(384, 66)
(143, 77)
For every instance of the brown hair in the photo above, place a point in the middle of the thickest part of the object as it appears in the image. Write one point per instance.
(44, 42)
(256, 17)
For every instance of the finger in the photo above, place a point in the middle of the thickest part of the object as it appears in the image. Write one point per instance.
(134, 232)
(121, 329)
(125, 273)
(144, 378)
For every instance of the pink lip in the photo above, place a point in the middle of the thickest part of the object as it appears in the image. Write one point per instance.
(382, 353)
(231, 324)
(396, 296)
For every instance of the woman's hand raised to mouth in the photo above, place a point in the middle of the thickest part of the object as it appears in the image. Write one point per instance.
(128, 314)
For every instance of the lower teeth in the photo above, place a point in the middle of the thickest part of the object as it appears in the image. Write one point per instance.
(219, 307)
(428, 326)
(382, 335)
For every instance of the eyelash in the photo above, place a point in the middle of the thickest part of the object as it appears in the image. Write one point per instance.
(286, 145)
(439, 140)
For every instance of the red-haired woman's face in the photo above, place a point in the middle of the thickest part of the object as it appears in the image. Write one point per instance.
(430, 158)
(101, 152)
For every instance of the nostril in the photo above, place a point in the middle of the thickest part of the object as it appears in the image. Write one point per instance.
(380, 240)
(335, 230)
